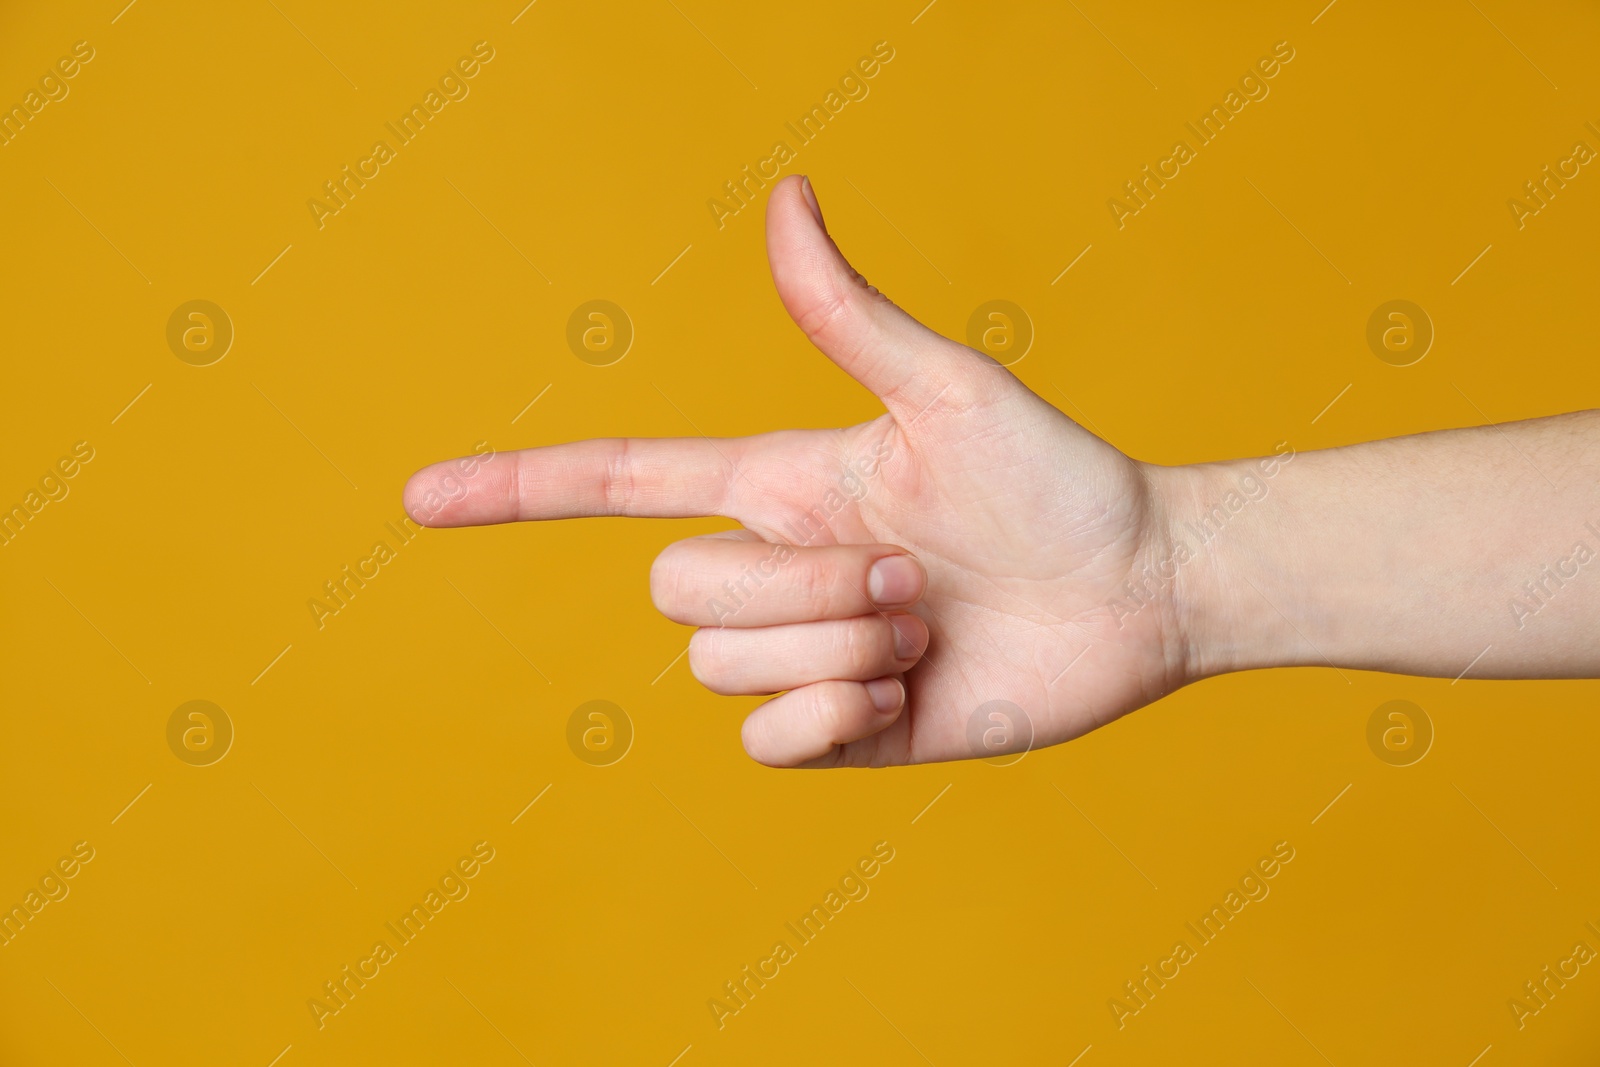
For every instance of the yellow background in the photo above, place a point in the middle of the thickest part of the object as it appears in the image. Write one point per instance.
(420, 320)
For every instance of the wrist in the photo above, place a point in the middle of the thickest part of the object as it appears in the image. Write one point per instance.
(1235, 591)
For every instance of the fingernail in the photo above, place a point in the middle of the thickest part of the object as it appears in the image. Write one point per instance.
(895, 580)
(907, 636)
(811, 201)
(887, 694)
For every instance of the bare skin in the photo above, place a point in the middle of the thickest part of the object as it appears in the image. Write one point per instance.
(973, 545)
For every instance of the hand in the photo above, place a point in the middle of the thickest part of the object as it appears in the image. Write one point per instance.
(896, 576)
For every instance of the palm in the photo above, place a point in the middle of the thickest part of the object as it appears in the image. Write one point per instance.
(1027, 526)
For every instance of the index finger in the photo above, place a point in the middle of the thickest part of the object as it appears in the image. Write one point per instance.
(666, 478)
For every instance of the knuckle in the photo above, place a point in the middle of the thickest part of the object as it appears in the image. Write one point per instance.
(969, 389)
(859, 647)
(830, 304)
(815, 588)
(616, 478)
(517, 492)
(827, 715)
(832, 709)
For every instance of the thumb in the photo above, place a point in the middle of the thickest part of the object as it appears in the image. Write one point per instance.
(907, 365)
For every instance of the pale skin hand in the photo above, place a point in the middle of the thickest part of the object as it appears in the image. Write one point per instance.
(972, 545)
(1023, 523)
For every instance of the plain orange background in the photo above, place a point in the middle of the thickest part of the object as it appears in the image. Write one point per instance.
(371, 754)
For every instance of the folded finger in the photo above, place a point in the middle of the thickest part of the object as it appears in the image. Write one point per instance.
(807, 723)
(713, 581)
(769, 659)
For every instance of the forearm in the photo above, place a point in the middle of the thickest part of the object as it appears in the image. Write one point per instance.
(1422, 555)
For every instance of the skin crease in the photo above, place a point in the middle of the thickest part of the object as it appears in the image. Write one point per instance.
(1026, 524)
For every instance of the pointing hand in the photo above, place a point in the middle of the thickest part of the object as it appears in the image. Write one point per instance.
(894, 577)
